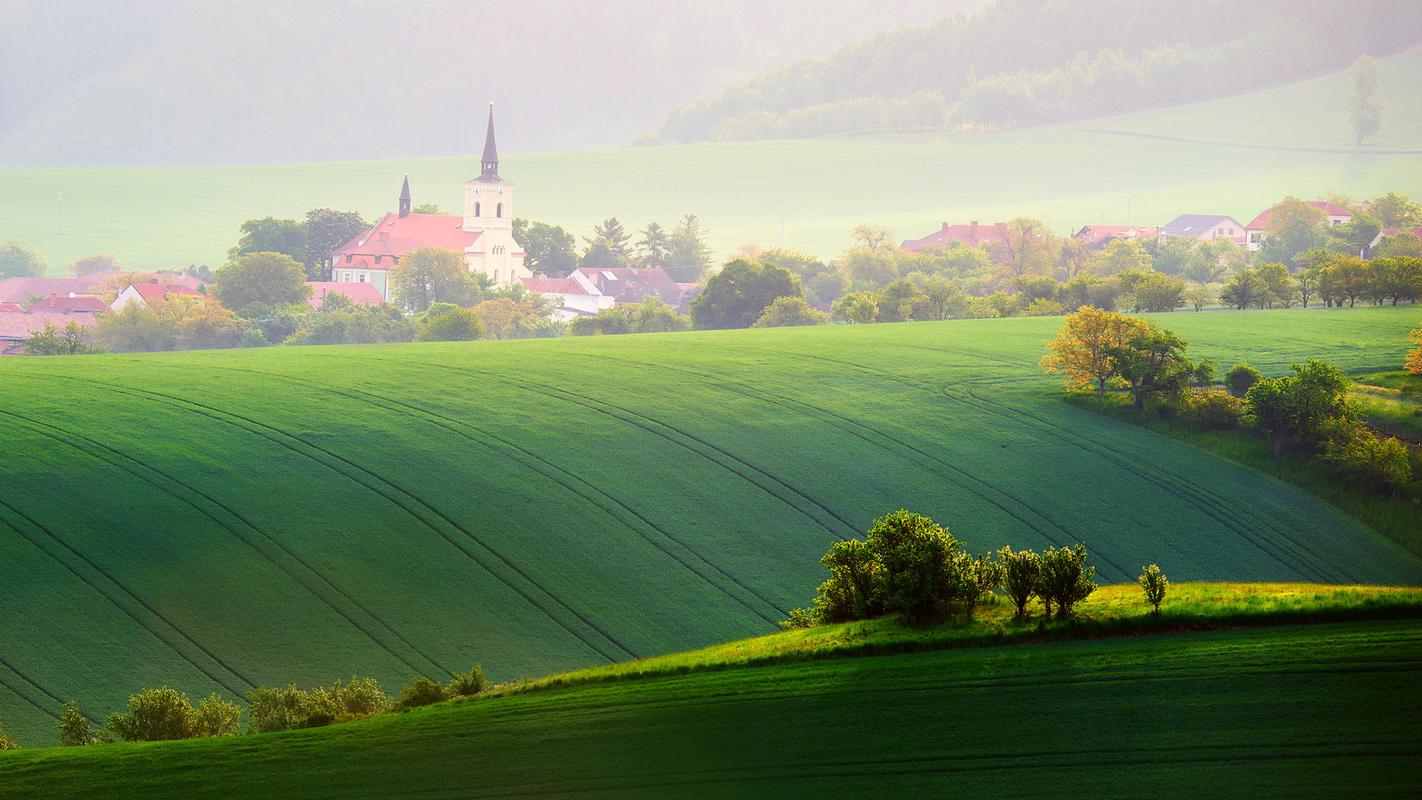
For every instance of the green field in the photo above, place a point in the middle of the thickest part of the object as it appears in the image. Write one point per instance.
(545, 505)
(1243, 154)
(1318, 710)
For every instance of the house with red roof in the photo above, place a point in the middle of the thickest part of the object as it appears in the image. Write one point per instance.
(972, 235)
(72, 304)
(361, 294)
(588, 290)
(483, 233)
(23, 290)
(1098, 236)
(16, 329)
(1387, 233)
(1255, 230)
(152, 295)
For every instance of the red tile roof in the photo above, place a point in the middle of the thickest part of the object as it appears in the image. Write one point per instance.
(1395, 231)
(156, 294)
(395, 236)
(1331, 209)
(11, 308)
(626, 285)
(20, 290)
(22, 326)
(971, 234)
(358, 293)
(77, 304)
(1101, 234)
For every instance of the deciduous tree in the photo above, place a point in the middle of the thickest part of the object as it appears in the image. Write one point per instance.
(1365, 101)
(1154, 583)
(547, 249)
(19, 262)
(255, 280)
(787, 312)
(736, 296)
(1083, 350)
(326, 230)
(430, 275)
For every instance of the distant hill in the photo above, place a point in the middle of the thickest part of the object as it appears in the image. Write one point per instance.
(1023, 62)
(215, 521)
(171, 81)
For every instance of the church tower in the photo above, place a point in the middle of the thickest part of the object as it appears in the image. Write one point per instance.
(405, 198)
(488, 210)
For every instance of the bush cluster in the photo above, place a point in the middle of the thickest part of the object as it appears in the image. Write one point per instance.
(162, 714)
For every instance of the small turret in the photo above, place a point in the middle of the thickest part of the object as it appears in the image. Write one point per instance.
(405, 198)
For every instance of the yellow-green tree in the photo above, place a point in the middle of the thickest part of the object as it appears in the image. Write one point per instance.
(1083, 349)
(1414, 358)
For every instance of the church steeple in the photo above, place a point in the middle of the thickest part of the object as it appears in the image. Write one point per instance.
(490, 161)
(405, 198)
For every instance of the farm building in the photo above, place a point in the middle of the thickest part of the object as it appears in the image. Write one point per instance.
(483, 233)
(70, 304)
(1257, 228)
(17, 327)
(1204, 228)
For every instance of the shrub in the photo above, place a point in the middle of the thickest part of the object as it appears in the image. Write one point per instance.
(154, 715)
(1359, 453)
(468, 684)
(6, 743)
(422, 692)
(453, 325)
(284, 709)
(74, 728)
(1154, 583)
(798, 619)
(1021, 572)
(1212, 408)
(785, 312)
(277, 709)
(215, 717)
(979, 576)
(918, 559)
(1240, 377)
(1066, 579)
(854, 589)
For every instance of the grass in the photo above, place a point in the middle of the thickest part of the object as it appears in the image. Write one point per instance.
(1392, 402)
(540, 506)
(1318, 710)
(810, 193)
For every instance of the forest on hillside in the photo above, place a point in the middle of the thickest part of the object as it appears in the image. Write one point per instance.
(1086, 59)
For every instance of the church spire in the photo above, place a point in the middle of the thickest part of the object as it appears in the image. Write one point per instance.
(490, 161)
(405, 198)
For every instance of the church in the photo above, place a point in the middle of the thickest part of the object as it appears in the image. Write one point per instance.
(483, 233)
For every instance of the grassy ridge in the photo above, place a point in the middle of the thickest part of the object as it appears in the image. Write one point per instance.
(1306, 711)
(547, 505)
(815, 191)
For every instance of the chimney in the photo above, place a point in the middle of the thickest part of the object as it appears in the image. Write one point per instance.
(945, 227)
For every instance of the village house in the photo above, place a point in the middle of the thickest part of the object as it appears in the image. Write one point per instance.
(1204, 228)
(483, 233)
(971, 235)
(361, 294)
(16, 328)
(588, 290)
(1098, 236)
(1256, 230)
(71, 304)
(152, 295)
(1388, 233)
(24, 290)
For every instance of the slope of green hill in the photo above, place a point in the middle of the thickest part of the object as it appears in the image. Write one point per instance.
(216, 521)
(808, 194)
(1317, 710)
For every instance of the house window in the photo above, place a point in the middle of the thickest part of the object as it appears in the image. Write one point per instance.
(476, 209)
(496, 276)
(360, 278)
(499, 211)
(348, 258)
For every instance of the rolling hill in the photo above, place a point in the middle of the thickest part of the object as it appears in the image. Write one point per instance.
(1317, 710)
(1236, 155)
(216, 521)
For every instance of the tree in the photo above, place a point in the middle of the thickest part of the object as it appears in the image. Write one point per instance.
(1365, 102)
(916, 555)
(271, 235)
(73, 727)
(1028, 248)
(256, 280)
(939, 298)
(1075, 258)
(137, 329)
(1201, 295)
(200, 323)
(423, 691)
(1304, 404)
(1153, 363)
(427, 208)
(787, 312)
(1176, 255)
(154, 715)
(468, 684)
(19, 262)
(1294, 227)
(452, 324)
(215, 716)
(6, 743)
(1414, 358)
(506, 318)
(547, 249)
(1240, 377)
(856, 308)
(1157, 292)
(326, 230)
(71, 340)
(654, 247)
(1154, 583)
(869, 269)
(1121, 255)
(896, 300)
(653, 315)
(689, 256)
(854, 589)
(736, 296)
(1022, 571)
(1281, 286)
(873, 237)
(1394, 210)
(1344, 278)
(1083, 349)
(1066, 579)
(355, 325)
(609, 245)
(94, 265)
(1244, 289)
(430, 275)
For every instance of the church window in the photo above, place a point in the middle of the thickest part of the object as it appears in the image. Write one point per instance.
(496, 276)
(499, 211)
(476, 209)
